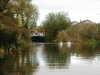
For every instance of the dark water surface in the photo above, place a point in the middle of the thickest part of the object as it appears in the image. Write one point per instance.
(53, 59)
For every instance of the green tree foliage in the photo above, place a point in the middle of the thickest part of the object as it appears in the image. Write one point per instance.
(54, 23)
(10, 10)
(27, 11)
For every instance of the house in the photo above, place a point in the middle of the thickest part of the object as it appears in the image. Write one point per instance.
(74, 23)
(86, 22)
(82, 22)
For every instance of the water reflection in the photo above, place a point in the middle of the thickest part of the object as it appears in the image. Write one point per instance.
(39, 50)
(51, 59)
(55, 58)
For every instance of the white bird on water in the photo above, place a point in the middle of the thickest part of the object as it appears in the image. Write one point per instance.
(69, 44)
(61, 44)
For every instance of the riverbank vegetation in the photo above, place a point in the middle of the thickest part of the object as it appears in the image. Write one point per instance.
(54, 23)
(86, 33)
(15, 18)
(58, 28)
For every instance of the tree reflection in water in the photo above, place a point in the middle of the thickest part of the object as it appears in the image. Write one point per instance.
(56, 58)
(22, 64)
(32, 59)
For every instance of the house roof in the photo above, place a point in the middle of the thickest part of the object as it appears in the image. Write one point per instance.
(82, 22)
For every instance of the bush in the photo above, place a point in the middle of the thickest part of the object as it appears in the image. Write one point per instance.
(86, 33)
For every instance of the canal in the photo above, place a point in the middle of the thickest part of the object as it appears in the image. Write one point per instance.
(53, 59)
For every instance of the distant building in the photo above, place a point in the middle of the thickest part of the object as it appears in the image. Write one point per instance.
(82, 22)
(87, 22)
(74, 23)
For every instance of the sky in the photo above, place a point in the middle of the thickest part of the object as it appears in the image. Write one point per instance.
(77, 9)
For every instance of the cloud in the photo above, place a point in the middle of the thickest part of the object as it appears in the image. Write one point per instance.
(78, 9)
(68, 4)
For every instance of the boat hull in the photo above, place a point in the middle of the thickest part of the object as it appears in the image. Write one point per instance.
(38, 39)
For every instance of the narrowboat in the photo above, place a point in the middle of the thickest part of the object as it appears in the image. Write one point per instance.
(37, 36)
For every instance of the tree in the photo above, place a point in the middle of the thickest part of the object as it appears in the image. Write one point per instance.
(27, 11)
(54, 23)
(15, 13)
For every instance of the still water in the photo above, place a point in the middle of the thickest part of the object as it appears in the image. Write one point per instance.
(53, 59)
